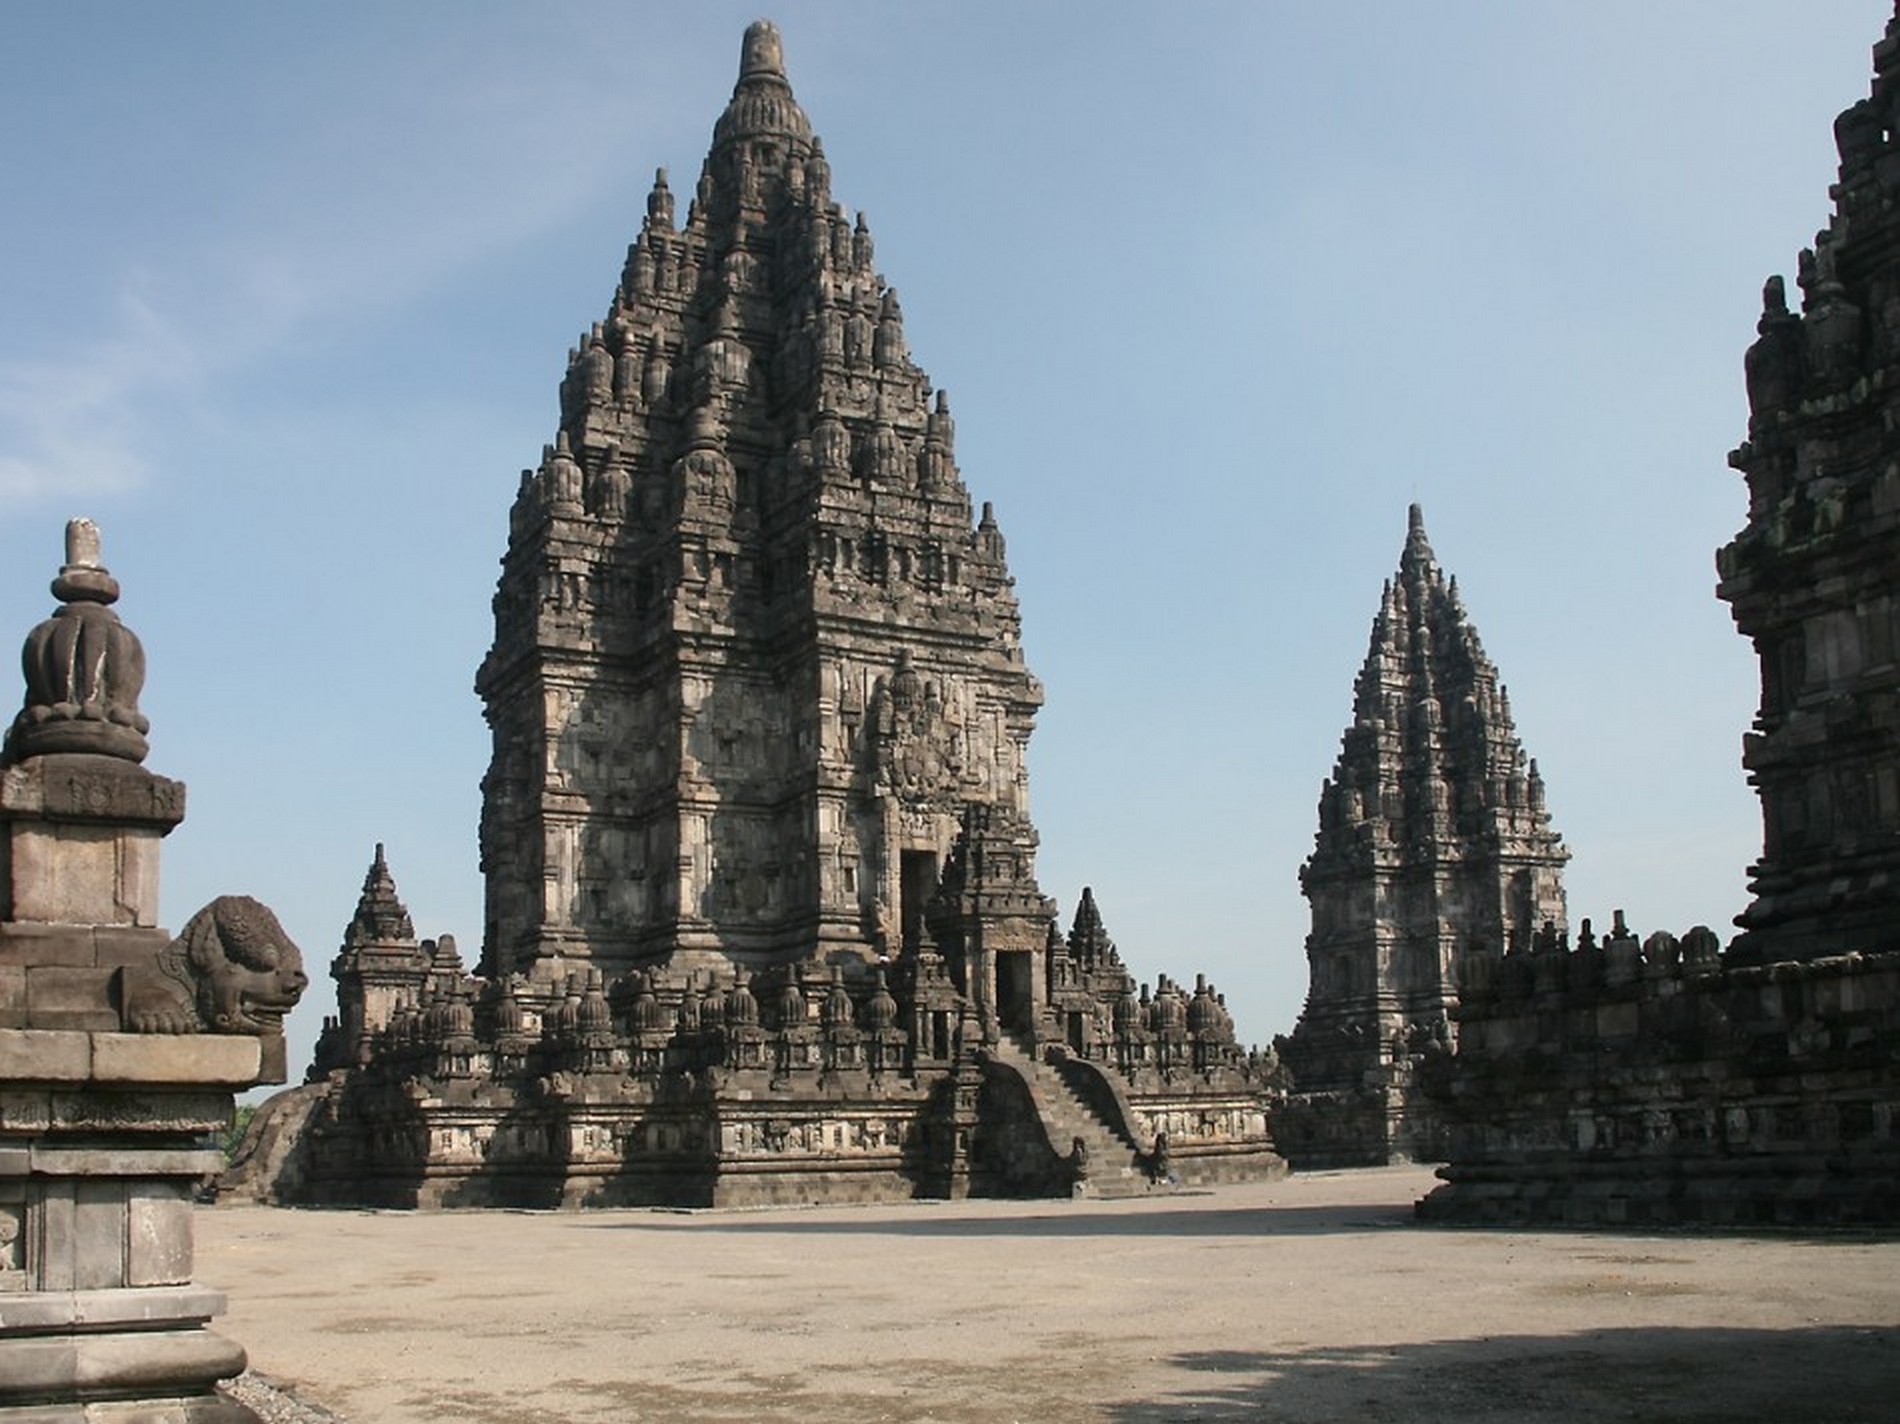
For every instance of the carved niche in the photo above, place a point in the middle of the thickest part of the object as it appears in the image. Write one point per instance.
(917, 738)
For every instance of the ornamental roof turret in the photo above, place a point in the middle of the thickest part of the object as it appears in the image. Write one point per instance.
(381, 917)
(1089, 943)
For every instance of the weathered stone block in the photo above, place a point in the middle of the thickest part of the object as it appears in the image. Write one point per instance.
(98, 1235)
(22, 1110)
(158, 1235)
(1618, 1020)
(44, 1056)
(118, 945)
(12, 996)
(61, 998)
(44, 945)
(141, 1108)
(81, 875)
(52, 1254)
(227, 1060)
(127, 1159)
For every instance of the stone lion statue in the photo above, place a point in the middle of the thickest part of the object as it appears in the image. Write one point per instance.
(232, 969)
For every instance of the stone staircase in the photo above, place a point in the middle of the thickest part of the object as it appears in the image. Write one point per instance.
(1116, 1167)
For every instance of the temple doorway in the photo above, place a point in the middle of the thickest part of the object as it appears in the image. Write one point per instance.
(917, 882)
(1015, 992)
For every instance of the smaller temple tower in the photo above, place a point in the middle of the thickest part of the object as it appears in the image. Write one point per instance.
(379, 970)
(1433, 838)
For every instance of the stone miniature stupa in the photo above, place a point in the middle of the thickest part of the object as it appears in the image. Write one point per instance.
(762, 919)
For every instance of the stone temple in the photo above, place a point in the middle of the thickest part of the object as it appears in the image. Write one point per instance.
(762, 920)
(1433, 838)
(1673, 1080)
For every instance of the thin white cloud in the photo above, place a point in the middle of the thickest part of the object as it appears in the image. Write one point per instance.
(361, 213)
(72, 423)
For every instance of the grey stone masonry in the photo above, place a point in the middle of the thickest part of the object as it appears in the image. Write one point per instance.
(754, 649)
(1665, 1084)
(762, 908)
(1674, 1081)
(120, 1047)
(1433, 837)
(1813, 579)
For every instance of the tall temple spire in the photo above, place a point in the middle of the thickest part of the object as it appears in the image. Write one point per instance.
(751, 506)
(1433, 841)
(762, 912)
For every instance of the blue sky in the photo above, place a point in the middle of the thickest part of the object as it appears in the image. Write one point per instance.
(1215, 289)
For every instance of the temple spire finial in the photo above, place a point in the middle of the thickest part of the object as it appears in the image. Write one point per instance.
(763, 53)
(1418, 548)
(84, 668)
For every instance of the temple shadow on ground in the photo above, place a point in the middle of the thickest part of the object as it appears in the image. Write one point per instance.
(1240, 1222)
(1815, 1375)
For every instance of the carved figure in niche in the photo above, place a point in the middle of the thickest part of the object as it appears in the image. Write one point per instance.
(706, 478)
(232, 969)
(613, 490)
(597, 369)
(887, 455)
(563, 477)
(918, 740)
(831, 444)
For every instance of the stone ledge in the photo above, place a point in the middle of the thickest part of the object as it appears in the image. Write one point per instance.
(35, 1055)
(227, 1060)
(139, 1361)
(123, 1162)
(41, 1311)
(80, 786)
(196, 1409)
(29, 1055)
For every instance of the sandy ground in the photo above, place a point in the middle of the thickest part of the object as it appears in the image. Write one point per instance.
(1313, 1299)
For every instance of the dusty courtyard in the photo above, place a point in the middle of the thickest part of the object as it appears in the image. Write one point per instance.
(1312, 1299)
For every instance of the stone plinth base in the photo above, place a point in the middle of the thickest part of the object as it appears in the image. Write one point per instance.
(743, 1137)
(1654, 1089)
(102, 1151)
(115, 1354)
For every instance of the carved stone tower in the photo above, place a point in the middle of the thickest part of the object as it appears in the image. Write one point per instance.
(754, 653)
(1433, 837)
(1814, 577)
(379, 969)
(763, 921)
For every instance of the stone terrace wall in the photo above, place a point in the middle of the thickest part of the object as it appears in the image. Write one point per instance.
(1659, 1083)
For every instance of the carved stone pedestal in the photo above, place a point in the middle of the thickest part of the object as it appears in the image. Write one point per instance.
(102, 1148)
(120, 1047)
